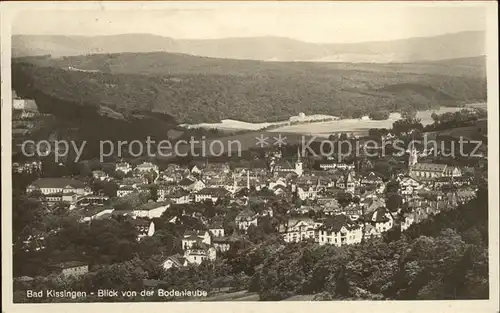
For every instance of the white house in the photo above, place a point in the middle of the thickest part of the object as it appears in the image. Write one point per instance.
(197, 256)
(123, 167)
(339, 230)
(381, 219)
(298, 230)
(147, 167)
(193, 238)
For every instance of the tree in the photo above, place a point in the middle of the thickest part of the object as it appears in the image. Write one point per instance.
(153, 192)
(344, 198)
(379, 115)
(393, 202)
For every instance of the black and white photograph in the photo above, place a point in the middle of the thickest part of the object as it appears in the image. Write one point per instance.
(250, 152)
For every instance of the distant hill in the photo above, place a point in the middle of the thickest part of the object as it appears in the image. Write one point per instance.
(449, 46)
(202, 90)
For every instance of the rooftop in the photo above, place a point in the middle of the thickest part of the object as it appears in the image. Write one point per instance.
(57, 182)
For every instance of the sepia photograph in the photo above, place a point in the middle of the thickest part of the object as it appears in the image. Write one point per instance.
(250, 152)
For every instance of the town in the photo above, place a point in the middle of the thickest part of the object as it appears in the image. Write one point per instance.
(206, 210)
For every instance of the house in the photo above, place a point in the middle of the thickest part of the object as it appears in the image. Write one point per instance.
(27, 167)
(223, 244)
(408, 185)
(339, 230)
(193, 238)
(298, 229)
(381, 219)
(211, 193)
(151, 209)
(371, 179)
(48, 186)
(144, 228)
(125, 190)
(197, 255)
(370, 231)
(72, 268)
(191, 184)
(147, 167)
(216, 228)
(246, 218)
(123, 167)
(174, 261)
(179, 196)
(100, 175)
(216, 168)
(195, 170)
(407, 220)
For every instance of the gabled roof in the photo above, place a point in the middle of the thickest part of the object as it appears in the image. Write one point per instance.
(429, 167)
(216, 224)
(177, 259)
(246, 213)
(336, 222)
(186, 182)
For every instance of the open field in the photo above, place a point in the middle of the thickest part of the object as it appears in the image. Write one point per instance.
(325, 129)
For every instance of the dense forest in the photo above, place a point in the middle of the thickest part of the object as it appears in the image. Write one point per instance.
(194, 89)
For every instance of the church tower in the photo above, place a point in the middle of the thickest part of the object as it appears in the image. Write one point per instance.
(298, 165)
(413, 158)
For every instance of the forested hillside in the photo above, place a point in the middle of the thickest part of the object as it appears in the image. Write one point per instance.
(197, 89)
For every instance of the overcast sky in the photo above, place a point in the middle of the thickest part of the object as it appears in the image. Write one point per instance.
(313, 22)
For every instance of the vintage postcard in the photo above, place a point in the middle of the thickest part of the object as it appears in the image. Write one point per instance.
(250, 156)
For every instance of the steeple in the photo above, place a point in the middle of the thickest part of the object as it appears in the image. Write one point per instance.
(298, 165)
(413, 158)
(248, 180)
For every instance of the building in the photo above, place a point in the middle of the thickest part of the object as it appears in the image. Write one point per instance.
(92, 213)
(72, 268)
(211, 193)
(123, 167)
(299, 229)
(371, 179)
(216, 228)
(144, 228)
(179, 196)
(125, 190)
(432, 171)
(193, 238)
(223, 244)
(381, 219)
(100, 175)
(246, 218)
(174, 261)
(151, 209)
(339, 230)
(147, 167)
(49, 186)
(191, 184)
(197, 255)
